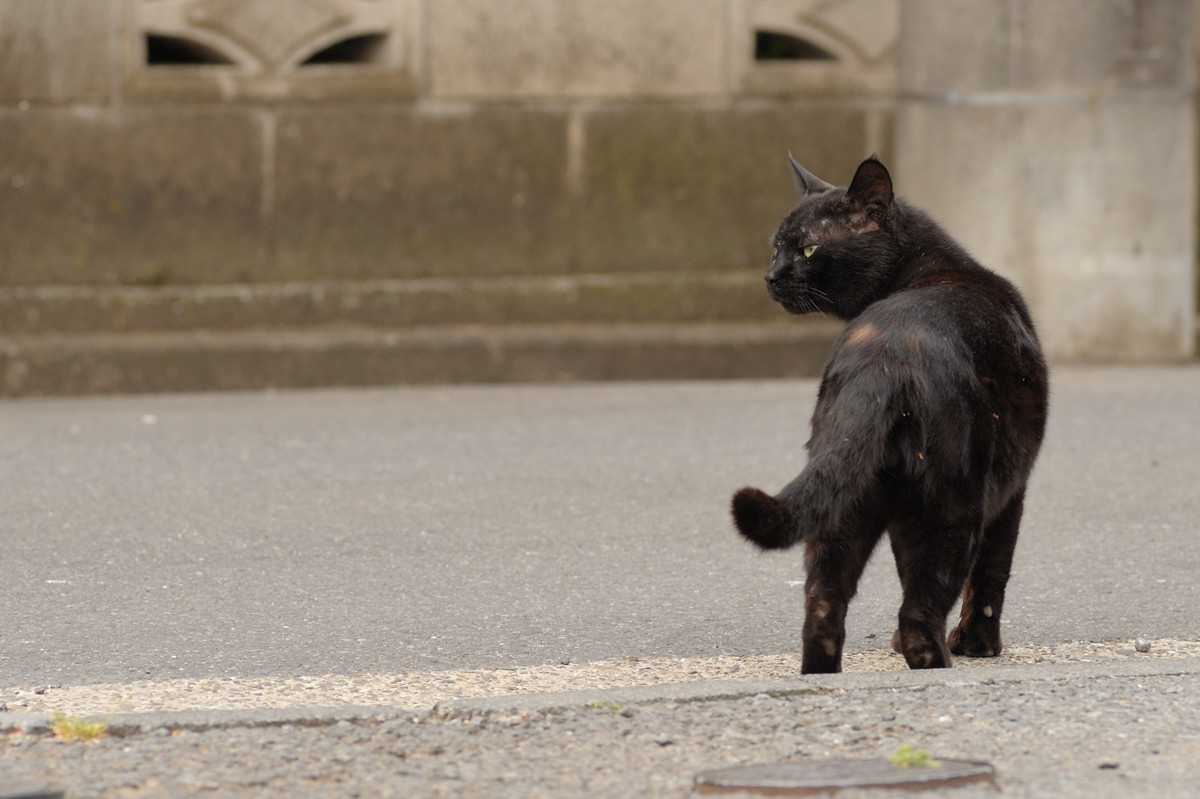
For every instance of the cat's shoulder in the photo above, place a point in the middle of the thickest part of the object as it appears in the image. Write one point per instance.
(901, 324)
(946, 317)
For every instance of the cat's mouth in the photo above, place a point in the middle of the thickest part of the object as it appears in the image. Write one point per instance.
(797, 300)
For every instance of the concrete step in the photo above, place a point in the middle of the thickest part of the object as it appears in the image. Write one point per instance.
(648, 298)
(340, 355)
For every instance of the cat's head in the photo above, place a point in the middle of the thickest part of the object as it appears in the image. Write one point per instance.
(835, 252)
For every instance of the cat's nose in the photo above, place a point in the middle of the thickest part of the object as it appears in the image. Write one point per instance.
(772, 276)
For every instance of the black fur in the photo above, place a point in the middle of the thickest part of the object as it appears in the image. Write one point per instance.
(929, 417)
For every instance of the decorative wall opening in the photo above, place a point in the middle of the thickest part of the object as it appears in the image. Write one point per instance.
(178, 51)
(774, 46)
(811, 47)
(367, 49)
(271, 49)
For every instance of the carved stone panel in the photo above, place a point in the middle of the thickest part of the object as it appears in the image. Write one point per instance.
(268, 49)
(819, 46)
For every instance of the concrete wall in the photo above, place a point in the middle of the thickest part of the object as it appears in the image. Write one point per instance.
(465, 137)
(154, 153)
(315, 156)
(1065, 158)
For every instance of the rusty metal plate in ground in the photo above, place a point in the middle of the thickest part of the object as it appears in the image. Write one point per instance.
(827, 776)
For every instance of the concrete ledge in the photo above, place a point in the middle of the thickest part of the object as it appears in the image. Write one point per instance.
(643, 298)
(351, 356)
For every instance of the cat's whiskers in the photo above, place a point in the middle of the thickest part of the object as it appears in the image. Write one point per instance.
(813, 305)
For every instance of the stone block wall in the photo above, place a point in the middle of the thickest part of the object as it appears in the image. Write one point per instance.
(348, 147)
(209, 141)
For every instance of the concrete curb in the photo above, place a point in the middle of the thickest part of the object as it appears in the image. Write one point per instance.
(724, 690)
(124, 724)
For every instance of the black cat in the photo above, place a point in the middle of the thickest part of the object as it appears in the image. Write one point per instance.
(929, 417)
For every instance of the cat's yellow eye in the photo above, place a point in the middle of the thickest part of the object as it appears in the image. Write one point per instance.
(809, 250)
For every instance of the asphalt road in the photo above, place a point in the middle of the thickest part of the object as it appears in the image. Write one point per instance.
(405, 529)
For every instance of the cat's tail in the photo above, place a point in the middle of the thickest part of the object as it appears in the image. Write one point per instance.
(855, 439)
(764, 520)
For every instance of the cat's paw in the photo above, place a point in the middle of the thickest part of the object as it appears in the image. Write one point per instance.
(764, 520)
(974, 643)
(921, 651)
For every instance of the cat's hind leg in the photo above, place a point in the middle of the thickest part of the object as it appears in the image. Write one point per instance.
(978, 630)
(835, 564)
(933, 561)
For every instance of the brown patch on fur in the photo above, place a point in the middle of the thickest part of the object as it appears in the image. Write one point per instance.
(862, 335)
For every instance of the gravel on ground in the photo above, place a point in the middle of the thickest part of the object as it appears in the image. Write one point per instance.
(422, 691)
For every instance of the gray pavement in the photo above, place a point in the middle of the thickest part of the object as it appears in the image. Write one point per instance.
(397, 530)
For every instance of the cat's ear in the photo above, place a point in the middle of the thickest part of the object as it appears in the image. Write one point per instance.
(871, 189)
(806, 181)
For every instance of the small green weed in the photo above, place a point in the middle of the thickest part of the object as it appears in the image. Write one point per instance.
(76, 728)
(907, 756)
(606, 706)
